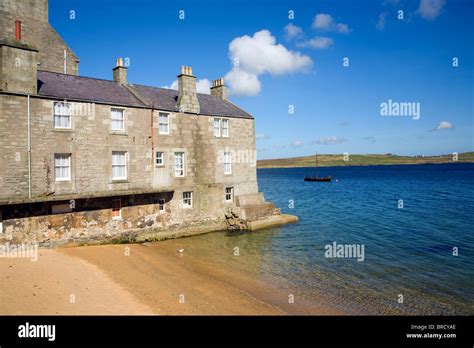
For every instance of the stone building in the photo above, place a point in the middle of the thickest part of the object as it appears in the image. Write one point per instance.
(85, 160)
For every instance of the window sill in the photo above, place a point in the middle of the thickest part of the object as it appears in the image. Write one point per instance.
(67, 130)
(120, 181)
(118, 132)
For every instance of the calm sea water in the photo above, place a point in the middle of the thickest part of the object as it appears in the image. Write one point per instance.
(408, 251)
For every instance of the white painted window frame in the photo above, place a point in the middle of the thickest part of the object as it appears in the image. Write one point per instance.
(56, 157)
(167, 123)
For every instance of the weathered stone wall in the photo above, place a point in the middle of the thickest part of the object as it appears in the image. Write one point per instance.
(37, 32)
(91, 142)
(18, 69)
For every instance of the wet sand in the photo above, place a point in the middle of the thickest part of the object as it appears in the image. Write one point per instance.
(137, 279)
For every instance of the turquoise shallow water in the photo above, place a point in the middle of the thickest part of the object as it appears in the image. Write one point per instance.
(408, 251)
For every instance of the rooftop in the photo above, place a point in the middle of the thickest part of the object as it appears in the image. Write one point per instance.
(72, 87)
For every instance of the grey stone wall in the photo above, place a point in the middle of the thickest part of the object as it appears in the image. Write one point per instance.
(91, 142)
(37, 32)
(18, 69)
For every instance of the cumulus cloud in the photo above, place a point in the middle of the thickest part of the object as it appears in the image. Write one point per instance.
(242, 83)
(430, 9)
(318, 42)
(381, 21)
(202, 86)
(324, 21)
(332, 140)
(259, 54)
(443, 125)
(292, 31)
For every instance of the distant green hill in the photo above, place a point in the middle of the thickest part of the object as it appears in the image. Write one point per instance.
(360, 160)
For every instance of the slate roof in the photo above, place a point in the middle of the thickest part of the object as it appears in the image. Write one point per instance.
(71, 87)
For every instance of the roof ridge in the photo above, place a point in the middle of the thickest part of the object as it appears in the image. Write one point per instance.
(76, 76)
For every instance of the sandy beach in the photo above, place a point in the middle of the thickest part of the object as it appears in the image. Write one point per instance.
(136, 279)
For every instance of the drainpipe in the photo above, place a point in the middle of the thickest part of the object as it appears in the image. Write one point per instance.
(29, 148)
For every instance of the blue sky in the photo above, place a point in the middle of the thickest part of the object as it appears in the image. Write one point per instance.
(272, 67)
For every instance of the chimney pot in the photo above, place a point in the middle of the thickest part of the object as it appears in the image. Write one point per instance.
(120, 72)
(18, 30)
(218, 89)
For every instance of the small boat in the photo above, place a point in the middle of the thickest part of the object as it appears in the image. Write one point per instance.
(317, 178)
(325, 179)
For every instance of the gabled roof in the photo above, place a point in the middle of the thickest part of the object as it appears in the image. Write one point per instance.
(71, 87)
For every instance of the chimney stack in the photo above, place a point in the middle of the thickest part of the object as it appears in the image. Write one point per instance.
(18, 30)
(120, 72)
(187, 100)
(218, 89)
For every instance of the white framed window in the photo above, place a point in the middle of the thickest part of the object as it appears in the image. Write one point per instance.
(221, 127)
(161, 204)
(229, 194)
(62, 115)
(187, 199)
(119, 165)
(62, 167)
(225, 127)
(117, 120)
(227, 163)
(217, 127)
(159, 158)
(179, 164)
(1, 222)
(164, 123)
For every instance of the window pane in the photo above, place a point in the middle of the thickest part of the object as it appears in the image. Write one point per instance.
(164, 123)
(62, 170)
(117, 120)
(225, 128)
(217, 127)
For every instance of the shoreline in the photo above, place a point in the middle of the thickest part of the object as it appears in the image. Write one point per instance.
(154, 279)
(367, 165)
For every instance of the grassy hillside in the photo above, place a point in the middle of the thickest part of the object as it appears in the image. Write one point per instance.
(360, 160)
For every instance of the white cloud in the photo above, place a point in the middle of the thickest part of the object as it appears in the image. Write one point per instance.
(259, 54)
(381, 21)
(292, 31)
(324, 21)
(242, 83)
(444, 125)
(430, 9)
(342, 28)
(202, 86)
(297, 143)
(332, 140)
(318, 42)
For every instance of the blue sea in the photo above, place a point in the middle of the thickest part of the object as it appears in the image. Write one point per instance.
(415, 222)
